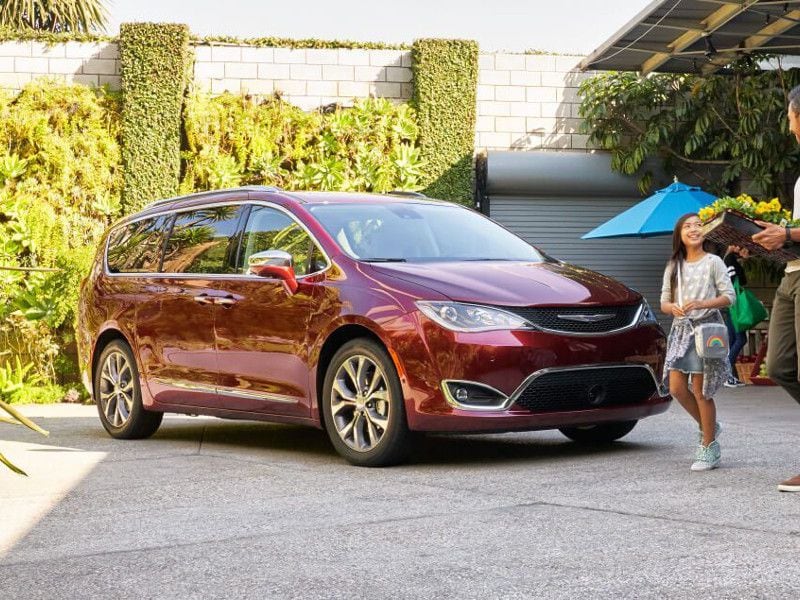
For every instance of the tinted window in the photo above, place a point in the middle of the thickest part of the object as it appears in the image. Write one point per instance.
(136, 247)
(203, 241)
(270, 229)
(409, 231)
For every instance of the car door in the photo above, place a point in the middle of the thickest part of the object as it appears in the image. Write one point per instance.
(262, 329)
(177, 325)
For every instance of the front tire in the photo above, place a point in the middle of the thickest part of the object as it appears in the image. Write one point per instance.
(602, 433)
(119, 397)
(363, 408)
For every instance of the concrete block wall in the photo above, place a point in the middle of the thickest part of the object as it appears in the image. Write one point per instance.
(72, 62)
(308, 78)
(525, 102)
(528, 102)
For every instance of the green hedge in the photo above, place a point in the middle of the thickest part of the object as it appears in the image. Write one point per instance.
(445, 89)
(235, 139)
(279, 42)
(154, 63)
(8, 34)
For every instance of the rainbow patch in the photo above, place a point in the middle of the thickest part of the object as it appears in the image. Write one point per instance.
(715, 342)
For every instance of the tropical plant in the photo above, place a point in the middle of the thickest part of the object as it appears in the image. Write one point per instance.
(12, 380)
(718, 128)
(60, 171)
(54, 15)
(11, 167)
(234, 140)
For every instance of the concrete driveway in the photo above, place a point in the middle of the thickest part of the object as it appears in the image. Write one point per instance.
(223, 509)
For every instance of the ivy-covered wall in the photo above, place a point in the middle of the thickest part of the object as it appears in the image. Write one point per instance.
(154, 60)
(445, 89)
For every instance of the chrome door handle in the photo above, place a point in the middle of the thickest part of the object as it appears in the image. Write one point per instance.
(203, 299)
(226, 301)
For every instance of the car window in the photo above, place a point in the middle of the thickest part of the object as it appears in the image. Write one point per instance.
(136, 247)
(203, 241)
(419, 231)
(271, 229)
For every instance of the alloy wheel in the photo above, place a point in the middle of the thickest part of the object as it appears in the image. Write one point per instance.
(116, 389)
(360, 403)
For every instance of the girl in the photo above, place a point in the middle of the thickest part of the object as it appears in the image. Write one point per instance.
(705, 288)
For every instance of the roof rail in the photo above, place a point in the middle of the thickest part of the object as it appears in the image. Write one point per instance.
(260, 188)
(407, 193)
(176, 198)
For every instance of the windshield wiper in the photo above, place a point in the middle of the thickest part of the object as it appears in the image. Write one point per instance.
(383, 259)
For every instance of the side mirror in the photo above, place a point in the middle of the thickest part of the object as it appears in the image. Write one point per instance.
(275, 264)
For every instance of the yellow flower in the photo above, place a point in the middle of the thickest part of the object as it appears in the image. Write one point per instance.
(706, 213)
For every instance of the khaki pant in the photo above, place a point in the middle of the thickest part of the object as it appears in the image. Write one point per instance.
(784, 331)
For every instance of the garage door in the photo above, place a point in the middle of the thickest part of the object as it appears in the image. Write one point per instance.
(552, 199)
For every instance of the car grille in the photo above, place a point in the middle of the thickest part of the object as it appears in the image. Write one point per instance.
(580, 389)
(558, 319)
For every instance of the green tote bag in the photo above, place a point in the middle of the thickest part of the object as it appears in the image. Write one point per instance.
(748, 311)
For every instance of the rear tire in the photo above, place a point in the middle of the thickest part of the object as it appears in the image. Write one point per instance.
(602, 433)
(119, 397)
(363, 407)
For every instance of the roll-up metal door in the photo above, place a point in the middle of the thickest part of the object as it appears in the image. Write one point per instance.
(552, 199)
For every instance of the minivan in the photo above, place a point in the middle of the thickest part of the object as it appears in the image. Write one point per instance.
(372, 316)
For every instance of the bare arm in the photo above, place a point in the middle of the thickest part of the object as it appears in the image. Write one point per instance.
(774, 236)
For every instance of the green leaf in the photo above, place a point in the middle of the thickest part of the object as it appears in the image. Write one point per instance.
(12, 466)
(22, 418)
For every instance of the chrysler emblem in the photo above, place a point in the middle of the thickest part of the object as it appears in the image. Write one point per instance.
(586, 318)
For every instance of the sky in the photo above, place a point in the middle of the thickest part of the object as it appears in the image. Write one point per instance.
(563, 26)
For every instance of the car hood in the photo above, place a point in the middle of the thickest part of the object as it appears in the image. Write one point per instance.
(513, 283)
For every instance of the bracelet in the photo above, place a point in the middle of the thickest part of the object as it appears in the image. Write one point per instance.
(788, 234)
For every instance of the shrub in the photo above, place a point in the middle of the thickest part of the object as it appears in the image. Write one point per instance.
(154, 61)
(60, 183)
(445, 93)
(233, 140)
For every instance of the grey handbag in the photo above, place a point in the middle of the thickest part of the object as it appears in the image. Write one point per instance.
(710, 339)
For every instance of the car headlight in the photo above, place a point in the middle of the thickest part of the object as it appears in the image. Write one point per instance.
(647, 316)
(458, 316)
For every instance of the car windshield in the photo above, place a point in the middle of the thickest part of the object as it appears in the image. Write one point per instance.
(408, 231)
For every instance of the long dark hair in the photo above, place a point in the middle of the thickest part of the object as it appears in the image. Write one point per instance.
(678, 253)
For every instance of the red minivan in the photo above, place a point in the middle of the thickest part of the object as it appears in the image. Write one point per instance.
(371, 316)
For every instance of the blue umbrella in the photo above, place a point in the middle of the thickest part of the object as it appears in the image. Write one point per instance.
(655, 215)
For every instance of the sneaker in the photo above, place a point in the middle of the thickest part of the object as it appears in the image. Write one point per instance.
(790, 485)
(717, 431)
(733, 382)
(707, 457)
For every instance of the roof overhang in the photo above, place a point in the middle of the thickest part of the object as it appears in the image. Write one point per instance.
(699, 36)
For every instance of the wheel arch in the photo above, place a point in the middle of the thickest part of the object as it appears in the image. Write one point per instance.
(335, 340)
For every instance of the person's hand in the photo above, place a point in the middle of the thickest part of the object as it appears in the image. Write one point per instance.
(772, 237)
(677, 311)
(693, 305)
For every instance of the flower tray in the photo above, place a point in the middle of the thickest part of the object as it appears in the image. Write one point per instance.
(734, 228)
(762, 381)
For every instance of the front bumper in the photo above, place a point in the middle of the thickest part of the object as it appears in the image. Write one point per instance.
(510, 361)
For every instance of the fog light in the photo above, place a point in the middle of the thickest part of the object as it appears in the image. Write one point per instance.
(473, 396)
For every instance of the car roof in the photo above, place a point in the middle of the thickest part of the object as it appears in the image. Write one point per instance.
(361, 197)
(300, 197)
